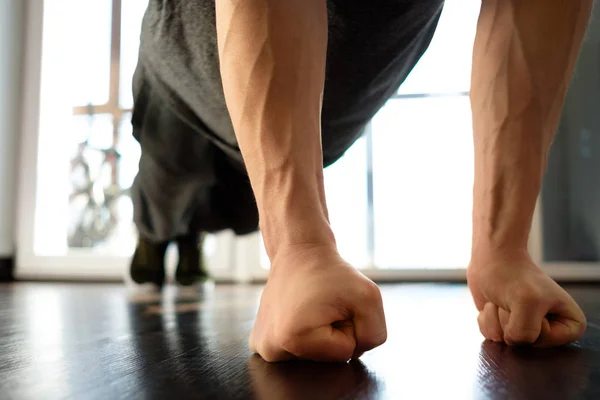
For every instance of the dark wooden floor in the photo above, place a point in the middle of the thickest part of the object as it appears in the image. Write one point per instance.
(66, 341)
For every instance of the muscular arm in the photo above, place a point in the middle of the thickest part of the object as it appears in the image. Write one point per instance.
(272, 55)
(524, 56)
(315, 306)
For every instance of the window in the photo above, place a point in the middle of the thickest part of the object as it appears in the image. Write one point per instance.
(89, 55)
(399, 199)
(79, 157)
(383, 212)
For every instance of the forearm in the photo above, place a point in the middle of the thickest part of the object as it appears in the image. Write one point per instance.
(524, 55)
(272, 55)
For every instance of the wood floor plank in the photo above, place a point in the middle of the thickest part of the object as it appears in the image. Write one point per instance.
(98, 341)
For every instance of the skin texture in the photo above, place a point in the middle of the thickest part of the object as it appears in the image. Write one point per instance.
(273, 87)
(315, 306)
(524, 55)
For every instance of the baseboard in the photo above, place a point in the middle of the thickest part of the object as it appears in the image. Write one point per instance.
(7, 267)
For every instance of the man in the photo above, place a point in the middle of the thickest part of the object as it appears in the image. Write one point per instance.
(275, 89)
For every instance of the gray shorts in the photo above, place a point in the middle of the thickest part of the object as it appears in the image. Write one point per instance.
(186, 183)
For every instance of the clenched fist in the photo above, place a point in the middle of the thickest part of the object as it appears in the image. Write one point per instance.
(317, 307)
(519, 303)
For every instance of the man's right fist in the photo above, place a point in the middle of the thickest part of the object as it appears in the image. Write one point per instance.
(317, 307)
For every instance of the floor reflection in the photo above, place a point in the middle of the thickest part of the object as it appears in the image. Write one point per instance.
(529, 373)
(192, 342)
(303, 380)
(95, 341)
(433, 343)
(166, 335)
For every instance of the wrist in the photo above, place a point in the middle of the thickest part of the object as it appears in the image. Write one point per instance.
(292, 209)
(487, 253)
(298, 229)
(305, 256)
(499, 235)
(296, 217)
(501, 223)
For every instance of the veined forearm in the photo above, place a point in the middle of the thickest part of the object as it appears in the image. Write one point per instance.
(524, 55)
(272, 55)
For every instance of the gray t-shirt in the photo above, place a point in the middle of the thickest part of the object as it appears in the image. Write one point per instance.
(372, 47)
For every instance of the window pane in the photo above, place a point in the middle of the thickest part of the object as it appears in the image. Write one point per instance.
(346, 191)
(86, 26)
(130, 151)
(91, 174)
(96, 129)
(132, 13)
(446, 66)
(80, 204)
(423, 177)
(100, 210)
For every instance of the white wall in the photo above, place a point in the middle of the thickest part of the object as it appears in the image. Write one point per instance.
(11, 44)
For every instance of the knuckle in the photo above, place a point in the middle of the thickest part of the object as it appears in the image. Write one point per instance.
(285, 338)
(527, 293)
(269, 357)
(582, 326)
(370, 293)
(282, 335)
(482, 326)
(379, 339)
(521, 337)
(372, 342)
(529, 296)
(484, 332)
(383, 338)
(292, 345)
(497, 339)
(488, 332)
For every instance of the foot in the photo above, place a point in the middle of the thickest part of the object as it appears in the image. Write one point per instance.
(190, 269)
(148, 263)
